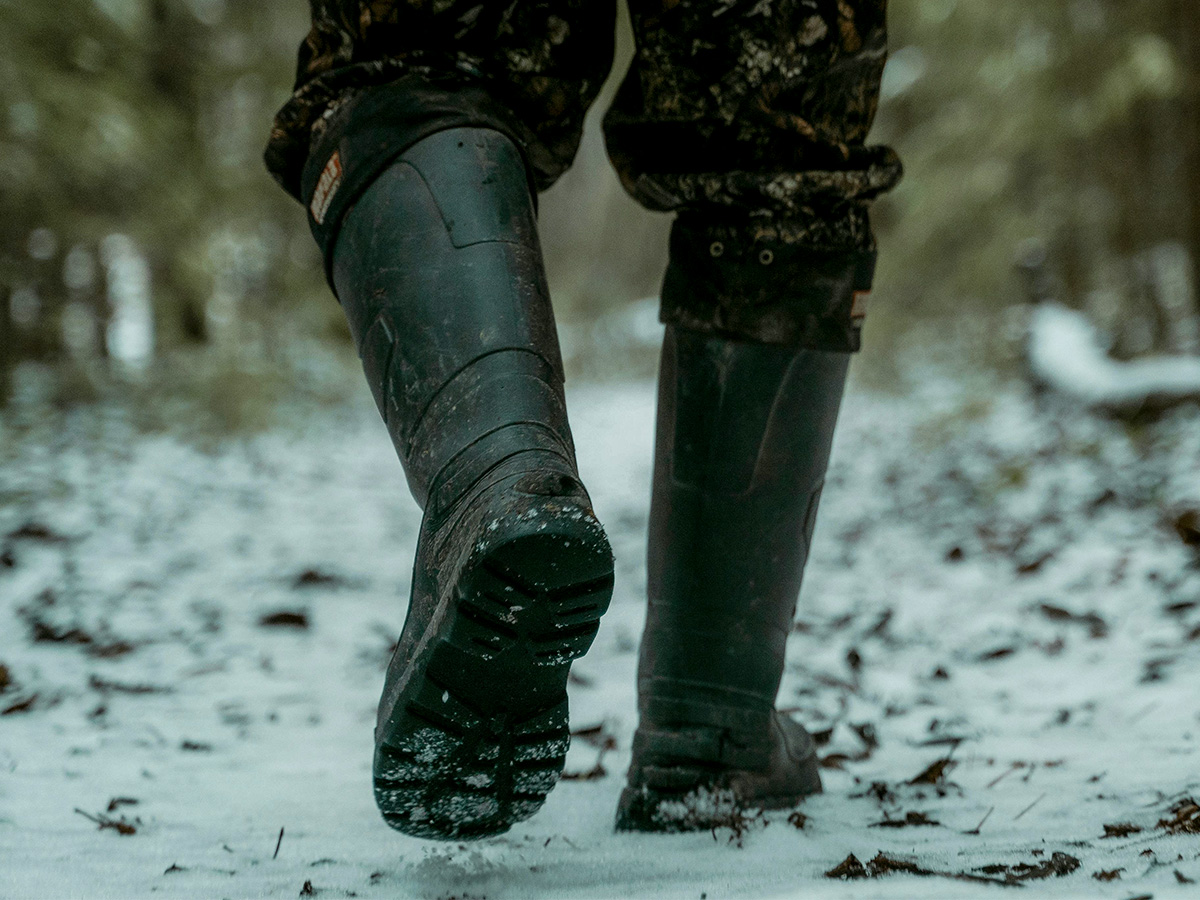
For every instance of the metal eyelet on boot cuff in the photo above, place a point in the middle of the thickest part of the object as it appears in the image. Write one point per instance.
(766, 257)
(716, 248)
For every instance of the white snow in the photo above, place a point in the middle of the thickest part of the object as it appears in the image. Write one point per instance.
(1006, 578)
(1066, 352)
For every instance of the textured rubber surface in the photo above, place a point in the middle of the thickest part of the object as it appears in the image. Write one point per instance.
(479, 734)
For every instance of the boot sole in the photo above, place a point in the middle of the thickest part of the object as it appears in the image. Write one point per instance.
(479, 734)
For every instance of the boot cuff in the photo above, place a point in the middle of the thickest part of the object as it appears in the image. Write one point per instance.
(749, 283)
(366, 134)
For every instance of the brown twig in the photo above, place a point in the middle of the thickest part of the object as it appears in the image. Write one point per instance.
(1030, 806)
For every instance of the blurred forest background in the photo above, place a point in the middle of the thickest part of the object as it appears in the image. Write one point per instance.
(143, 245)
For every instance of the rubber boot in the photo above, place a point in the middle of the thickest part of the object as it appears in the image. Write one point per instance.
(744, 434)
(438, 268)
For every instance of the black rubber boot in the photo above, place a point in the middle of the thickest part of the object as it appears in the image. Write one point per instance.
(438, 268)
(744, 434)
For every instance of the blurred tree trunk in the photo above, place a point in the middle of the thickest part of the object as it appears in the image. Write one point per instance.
(178, 61)
(1187, 18)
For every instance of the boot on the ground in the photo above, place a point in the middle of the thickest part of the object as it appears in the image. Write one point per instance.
(744, 434)
(437, 265)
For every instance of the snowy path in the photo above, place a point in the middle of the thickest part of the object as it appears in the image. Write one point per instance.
(1007, 588)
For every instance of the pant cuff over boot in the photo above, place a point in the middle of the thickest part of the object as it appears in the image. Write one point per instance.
(753, 283)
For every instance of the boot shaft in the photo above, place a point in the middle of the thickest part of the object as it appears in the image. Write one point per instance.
(744, 435)
(438, 268)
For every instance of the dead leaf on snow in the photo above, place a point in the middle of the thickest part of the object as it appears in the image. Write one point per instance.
(22, 706)
(935, 773)
(998, 653)
(1121, 830)
(38, 533)
(848, 869)
(1185, 818)
(595, 773)
(1057, 866)
(1097, 627)
(911, 819)
(285, 619)
(596, 736)
(316, 578)
(121, 826)
(851, 869)
(1187, 526)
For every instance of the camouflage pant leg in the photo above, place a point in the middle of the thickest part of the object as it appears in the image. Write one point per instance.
(749, 117)
(757, 109)
(755, 105)
(543, 60)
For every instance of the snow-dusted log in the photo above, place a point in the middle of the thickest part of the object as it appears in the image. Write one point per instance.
(1066, 354)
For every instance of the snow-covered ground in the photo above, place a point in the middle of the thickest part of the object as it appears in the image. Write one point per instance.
(1002, 599)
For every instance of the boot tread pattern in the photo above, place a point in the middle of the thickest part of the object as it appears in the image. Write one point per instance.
(480, 736)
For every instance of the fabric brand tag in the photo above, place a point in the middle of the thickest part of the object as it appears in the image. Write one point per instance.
(858, 310)
(327, 186)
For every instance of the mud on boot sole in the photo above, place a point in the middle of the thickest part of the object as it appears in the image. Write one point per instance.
(479, 734)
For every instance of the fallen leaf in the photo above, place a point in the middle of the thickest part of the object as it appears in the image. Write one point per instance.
(315, 578)
(285, 619)
(1057, 866)
(121, 826)
(1121, 830)
(21, 706)
(848, 869)
(596, 736)
(1097, 627)
(1187, 526)
(1185, 818)
(911, 819)
(593, 774)
(104, 686)
(935, 774)
(998, 653)
(37, 532)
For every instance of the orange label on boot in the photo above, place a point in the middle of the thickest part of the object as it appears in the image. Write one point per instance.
(858, 310)
(327, 186)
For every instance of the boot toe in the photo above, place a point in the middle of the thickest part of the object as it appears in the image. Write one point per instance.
(694, 797)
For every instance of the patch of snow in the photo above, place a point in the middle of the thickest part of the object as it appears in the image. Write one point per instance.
(1017, 599)
(1067, 353)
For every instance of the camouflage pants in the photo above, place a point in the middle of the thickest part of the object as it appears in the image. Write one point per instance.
(748, 116)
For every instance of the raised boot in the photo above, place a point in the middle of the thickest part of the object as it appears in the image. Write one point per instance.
(437, 265)
(744, 434)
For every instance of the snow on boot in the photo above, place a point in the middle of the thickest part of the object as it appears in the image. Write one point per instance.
(438, 268)
(744, 434)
